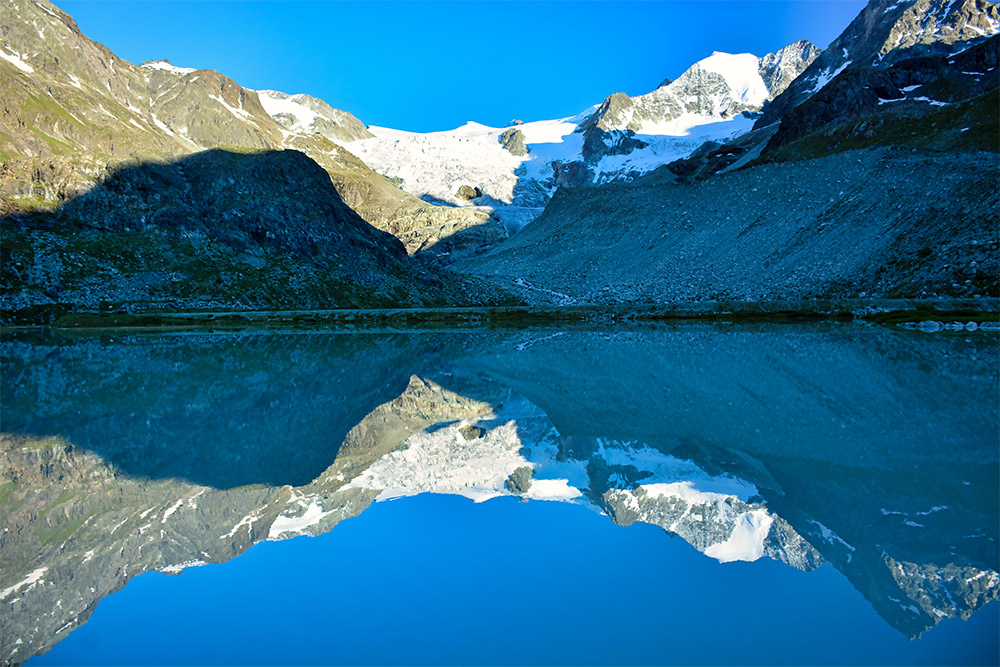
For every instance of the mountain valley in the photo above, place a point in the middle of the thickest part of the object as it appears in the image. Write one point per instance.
(730, 183)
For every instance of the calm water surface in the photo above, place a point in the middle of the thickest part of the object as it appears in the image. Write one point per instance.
(693, 494)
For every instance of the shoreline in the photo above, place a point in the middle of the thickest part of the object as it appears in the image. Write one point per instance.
(875, 311)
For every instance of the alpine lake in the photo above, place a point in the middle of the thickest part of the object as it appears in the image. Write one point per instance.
(672, 493)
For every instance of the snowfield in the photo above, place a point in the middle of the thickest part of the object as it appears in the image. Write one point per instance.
(434, 165)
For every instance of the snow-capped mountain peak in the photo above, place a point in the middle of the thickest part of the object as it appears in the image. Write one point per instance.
(165, 66)
(517, 168)
(305, 114)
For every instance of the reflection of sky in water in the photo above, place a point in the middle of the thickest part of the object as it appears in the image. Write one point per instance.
(856, 467)
(436, 579)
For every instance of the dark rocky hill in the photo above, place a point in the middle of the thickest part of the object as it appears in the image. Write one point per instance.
(217, 229)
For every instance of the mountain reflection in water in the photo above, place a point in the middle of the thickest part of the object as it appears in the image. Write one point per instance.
(868, 448)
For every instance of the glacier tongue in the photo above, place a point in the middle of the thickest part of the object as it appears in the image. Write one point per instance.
(618, 140)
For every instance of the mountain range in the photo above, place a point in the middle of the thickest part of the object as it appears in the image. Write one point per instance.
(745, 178)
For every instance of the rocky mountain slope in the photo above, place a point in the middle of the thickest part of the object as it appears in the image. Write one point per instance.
(913, 73)
(71, 109)
(882, 184)
(517, 169)
(697, 430)
(888, 31)
(845, 226)
(216, 229)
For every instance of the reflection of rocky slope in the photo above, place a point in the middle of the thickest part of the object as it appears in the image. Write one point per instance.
(72, 109)
(877, 449)
(870, 449)
(78, 529)
(267, 409)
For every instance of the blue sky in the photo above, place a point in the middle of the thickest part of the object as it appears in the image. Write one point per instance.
(433, 66)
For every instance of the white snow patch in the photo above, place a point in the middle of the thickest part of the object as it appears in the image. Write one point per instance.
(167, 67)
(276, 103)
(15, 60)
(443, 461)
(747, 539)
(831, 536)
(245, 521)
(673, 476)
(296, 524)
(239, 113)
(933, 103)
(826, 77)
(552, 489)
(179, 567)
(30, 581)
(170, 510)
(742, 75)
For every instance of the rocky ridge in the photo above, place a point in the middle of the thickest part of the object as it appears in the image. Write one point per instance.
(887, 31)
(876, 186)
(72, 110)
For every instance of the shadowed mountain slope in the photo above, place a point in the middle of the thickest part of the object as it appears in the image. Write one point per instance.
(72, 111)
(213, 230)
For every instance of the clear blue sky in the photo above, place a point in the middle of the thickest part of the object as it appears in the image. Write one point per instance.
(432, 66)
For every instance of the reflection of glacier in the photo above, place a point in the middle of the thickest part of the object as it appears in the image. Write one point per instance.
(77, 526)
(478, 450)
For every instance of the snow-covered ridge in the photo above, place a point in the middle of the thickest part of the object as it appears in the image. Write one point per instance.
(305, 114)
(703, 104)
(742, 75)
(276, 103)
(165, 66)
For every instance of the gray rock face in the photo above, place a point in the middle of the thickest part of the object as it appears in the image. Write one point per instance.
(859, 224)
(780, 68)
(513, 141)
(886, 31)
(938, 101)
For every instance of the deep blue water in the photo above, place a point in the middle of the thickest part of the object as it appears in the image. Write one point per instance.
(436, 579)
